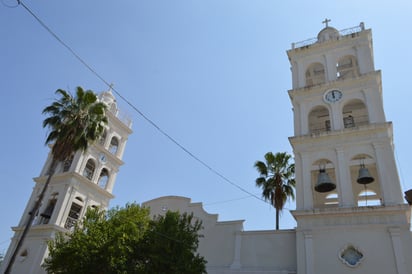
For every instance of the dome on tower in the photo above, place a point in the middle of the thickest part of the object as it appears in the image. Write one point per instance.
(108, 98)
(328, 33)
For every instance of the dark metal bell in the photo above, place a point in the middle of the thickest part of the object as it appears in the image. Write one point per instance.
(408, 196)
(324, 183)
(364, 176)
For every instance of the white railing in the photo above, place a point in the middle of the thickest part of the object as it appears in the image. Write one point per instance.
(343, 32)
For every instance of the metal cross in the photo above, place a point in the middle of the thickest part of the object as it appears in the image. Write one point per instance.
(326, 21)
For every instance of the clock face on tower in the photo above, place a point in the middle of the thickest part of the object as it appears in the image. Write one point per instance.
(333, 95)
(102, 158)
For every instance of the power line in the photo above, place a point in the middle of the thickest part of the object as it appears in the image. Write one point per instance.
(151, 122)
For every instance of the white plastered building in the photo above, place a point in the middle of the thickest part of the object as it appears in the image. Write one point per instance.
(348, 222)
(350, 211)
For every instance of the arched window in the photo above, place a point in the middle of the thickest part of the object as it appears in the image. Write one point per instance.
(67, 164)
(103, 178)
(315, 74)
(74, 213)
(102, 138)
(114, 145)
(365, 180)
(47, 213)
(319, 120)
(347, 67)
(354, 113)
(324, 184)
(89, 169)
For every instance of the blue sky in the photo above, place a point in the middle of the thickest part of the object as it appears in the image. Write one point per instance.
(212, 74)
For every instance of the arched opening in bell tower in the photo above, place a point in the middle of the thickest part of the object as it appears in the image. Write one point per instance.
(319, 120)
(323, 178)
(114, 145)
(74, 213)
(315, 74)
(89, 169)
(103, 178)
(48, 211)
(67, 163)
(355, 114)
(365, 182)
(347, 67)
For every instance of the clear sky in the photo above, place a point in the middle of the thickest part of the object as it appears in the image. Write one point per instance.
(212, 74)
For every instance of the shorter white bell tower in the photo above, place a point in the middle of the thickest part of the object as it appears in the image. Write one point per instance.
(84, 181)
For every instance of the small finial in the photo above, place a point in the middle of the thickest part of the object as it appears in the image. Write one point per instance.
(326, 21)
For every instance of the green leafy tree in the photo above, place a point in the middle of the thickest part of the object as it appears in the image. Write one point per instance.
(171, 245)
(277, 180)
(74, 123)
(104, 242)
(126, 241)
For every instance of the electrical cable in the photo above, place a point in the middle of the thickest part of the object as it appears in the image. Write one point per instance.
(151, 122)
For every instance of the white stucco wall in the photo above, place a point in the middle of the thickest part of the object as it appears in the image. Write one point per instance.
(229, 249)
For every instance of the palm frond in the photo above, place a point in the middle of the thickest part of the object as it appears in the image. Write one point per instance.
(261, 168)
(74, 122)
(276, 179)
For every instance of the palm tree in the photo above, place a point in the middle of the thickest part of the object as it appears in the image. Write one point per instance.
(74, 123)
(277, 180)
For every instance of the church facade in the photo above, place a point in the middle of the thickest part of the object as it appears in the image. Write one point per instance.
(350, 211)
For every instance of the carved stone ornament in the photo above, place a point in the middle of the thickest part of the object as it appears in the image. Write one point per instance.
(351, 256)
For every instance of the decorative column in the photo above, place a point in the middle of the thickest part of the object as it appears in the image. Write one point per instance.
(236, 257)
(307, 184)
(387, 170)
(309, 260)
(395, 233)
(345, 184)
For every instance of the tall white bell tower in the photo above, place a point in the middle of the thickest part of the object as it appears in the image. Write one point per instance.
(351, 215)
(85, 181)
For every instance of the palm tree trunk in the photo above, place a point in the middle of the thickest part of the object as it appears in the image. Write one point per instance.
(277, 219)
(31, 218)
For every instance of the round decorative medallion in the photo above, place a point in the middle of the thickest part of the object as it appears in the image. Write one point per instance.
(351, 256)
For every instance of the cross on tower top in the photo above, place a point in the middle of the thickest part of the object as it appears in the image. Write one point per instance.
(326, 21)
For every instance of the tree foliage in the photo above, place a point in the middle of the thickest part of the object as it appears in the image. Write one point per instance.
(277, 180)
(74, 122)
(126, 240)
(171, 244)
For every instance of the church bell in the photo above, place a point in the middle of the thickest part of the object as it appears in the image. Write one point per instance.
(324, 183)
(364, 176)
